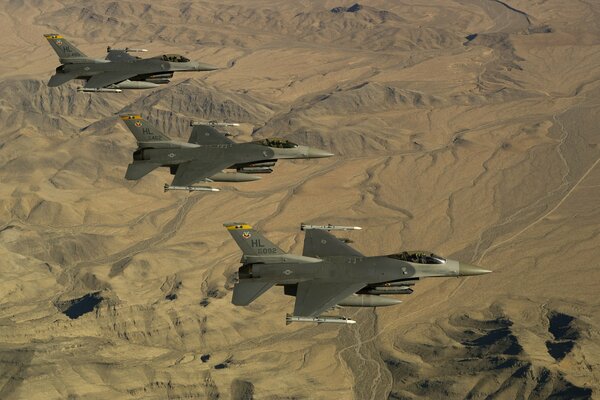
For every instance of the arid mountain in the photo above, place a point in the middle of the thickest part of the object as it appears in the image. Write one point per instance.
(464, 127)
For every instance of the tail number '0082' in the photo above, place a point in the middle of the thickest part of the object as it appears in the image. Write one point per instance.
(267, 250)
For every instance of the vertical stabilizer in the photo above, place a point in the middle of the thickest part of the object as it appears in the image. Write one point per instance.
(64, 48)
(250, 241)
(144, 131)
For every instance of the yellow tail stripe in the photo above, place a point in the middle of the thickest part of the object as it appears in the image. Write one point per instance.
(238, 227)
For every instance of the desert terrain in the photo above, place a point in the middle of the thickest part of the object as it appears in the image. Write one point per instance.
(464, 127)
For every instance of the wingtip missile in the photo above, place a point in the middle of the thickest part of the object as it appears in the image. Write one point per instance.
(213, 123)
(168, 187)
(98, 90)
(329, 227)
(127, 50)
(319, 319)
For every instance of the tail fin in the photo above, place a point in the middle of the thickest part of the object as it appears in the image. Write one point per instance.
(64, 48)
(250, 241)
(143, 130)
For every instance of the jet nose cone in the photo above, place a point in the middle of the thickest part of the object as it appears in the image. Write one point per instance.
(470, 270)
(205, 67)
(316, 153)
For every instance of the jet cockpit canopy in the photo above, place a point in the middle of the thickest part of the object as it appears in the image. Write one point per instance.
(174, 58)
(277, 143)
(419, 257)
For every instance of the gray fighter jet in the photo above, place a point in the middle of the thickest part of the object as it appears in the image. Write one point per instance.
(119, 70)
(205, 156)
(330, 273)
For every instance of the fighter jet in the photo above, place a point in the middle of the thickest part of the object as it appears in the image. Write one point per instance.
(119, 70)
(206, 154)
(330, 273)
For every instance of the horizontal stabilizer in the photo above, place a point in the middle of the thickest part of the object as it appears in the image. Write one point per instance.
(137, 170)
(59, 79)
(245, 293)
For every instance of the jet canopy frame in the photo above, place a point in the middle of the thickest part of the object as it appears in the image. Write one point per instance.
(176, 58)
(278, 143)
(419, 257)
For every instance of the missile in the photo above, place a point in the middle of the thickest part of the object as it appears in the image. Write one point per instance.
(319, 320)
(98, 90)
(213, 123)
(126, 49)
(191, 188)
(329, 227)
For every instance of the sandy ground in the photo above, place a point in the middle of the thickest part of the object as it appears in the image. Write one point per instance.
(466, 127)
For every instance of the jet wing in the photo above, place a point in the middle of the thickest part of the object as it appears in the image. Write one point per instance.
(191, 172)
(120, 55)
(105, 79)
(207, 135)
(314, 297)
(319, 243)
